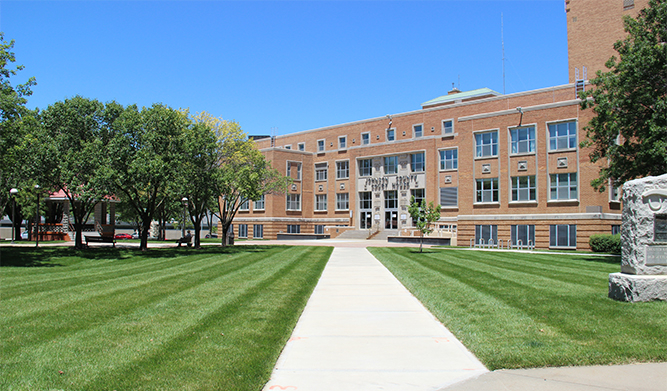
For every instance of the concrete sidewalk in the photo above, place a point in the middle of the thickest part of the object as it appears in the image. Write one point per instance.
(362, 330)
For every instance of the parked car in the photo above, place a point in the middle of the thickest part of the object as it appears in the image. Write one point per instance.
(135, 235)
(209, 236)
(123, 236)
(24, 235)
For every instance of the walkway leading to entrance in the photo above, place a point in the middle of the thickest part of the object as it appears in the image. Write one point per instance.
(362, 330)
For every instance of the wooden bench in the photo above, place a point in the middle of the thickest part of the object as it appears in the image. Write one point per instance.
(186, 239)
(100, 239)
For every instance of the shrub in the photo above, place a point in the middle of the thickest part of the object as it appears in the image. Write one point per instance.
(605, 243)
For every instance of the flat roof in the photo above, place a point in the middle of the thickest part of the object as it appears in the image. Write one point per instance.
(478, 93)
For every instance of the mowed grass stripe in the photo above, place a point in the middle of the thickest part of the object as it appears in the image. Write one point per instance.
(102, 348)
(511, 319)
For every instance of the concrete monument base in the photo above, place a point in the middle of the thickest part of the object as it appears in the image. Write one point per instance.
(633, 288)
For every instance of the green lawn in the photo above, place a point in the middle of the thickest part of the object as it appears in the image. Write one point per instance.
(519, 310)
(111, 319)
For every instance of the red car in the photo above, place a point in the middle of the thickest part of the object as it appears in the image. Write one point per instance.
(123, 236)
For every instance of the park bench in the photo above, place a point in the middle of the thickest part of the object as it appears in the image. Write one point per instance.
(187, 240)
(100, 239)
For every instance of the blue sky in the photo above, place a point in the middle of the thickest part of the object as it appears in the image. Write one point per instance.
(284, 66)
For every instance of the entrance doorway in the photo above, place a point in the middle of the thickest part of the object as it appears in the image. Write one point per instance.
(391, 219)
(391, 209)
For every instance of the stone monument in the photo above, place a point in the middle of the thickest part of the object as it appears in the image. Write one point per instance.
(643, 274)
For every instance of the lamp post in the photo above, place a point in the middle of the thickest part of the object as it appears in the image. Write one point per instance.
(13, 192)
(37, 218)
(184, 200)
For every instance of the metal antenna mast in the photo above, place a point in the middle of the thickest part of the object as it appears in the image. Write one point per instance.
(502, 41)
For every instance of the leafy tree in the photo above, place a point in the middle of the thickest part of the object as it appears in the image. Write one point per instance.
(73, 144)
(144, 154)
(630, 102)
(422, 217)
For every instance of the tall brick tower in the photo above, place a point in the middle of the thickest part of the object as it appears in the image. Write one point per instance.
(593, 26)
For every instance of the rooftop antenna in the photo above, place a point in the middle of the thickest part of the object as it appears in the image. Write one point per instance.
(502, 42)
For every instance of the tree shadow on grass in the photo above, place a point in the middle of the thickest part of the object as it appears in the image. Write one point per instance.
(613, 260)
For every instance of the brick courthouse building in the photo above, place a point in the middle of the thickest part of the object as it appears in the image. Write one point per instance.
(502, 167)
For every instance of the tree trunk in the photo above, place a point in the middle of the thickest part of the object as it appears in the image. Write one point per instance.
(421, 241)
(197, 226)
(145, 227)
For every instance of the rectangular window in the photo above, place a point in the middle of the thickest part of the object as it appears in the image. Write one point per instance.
(448, 127)
(615, 229)
(486, 144)
(321, 171)
(563, 186)
(486, 233)
(342, 142)
(320, 202)
(259, 204)
(417, 162)
(418, 130)
(419, 195)
(524, 188)
(342, 201)
(563, 235)
(294, 202)
(293, 229)
(523, 139)
(319, 229)
(391, 199)
(391, 134)
(365, 200)
(343, 169)
(258, 231)
(302, 146)
(243, 230)
(449, 159)
(294, 170)
(365, 167)
(320, 145)
(449, 197)
(288, 147)
(245, 205)
(390, 165)
(487, 190)
(563, 136)
(523, 233)
(365, 138)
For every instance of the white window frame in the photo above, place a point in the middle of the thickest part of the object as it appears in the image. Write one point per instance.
(421, 130)
(518, 190)
(258, 231)
(384, 165)
(367, 140)
(293, 202)
(288, 146)
(260, 204)
(321, 202)
(571, 232)
(362, 169)
(342, 201)
(516, 142)
(444, 127)
(558, 185)
(494, 191)
(243, 230)
(321, 145)
(244, 205)
(298, 169)
(479, 148)
(555, 139)
(368, 200)
(415, 166)
(301, 146)
(321, 167)
(342, 171)
(291, 228)
(342, 142)
(391, 131)
(454, 159)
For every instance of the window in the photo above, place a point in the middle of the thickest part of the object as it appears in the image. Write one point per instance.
(523, 233)
(343, 169)
(390, 165)
(486, 144)
(294, 170)
(320, 145)
(293, 229)
(563, 136)
(486, 232)
(320, 202)
(245, 205)
(365, 200)
(294, 202)
(365, 167)
(615, 193)
(259, 204)
(487, 190)
(258, 231)
(418, 130)
(243, 230)
(342, 201)
(391, 199)
(524, 188)
(419, 194)
(449, 197)
(523, 139)
(342, 142)
(319, 229)
(302, 146)
(448, 126)
(449, 159)
(563, 235)
(365, 138)
(615, 229)
(321, 171)
(288, 147)
(391, 134)
(563, 186)
(417, 162)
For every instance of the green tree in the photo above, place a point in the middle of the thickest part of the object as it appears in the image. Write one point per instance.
(630, 102)
(144, 154)
(72, 154)
(422, 217)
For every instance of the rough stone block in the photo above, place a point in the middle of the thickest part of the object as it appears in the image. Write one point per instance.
(633, 288)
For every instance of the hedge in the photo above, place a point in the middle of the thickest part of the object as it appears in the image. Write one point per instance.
(605, 243)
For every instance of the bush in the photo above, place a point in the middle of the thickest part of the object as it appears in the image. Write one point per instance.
(605, 243)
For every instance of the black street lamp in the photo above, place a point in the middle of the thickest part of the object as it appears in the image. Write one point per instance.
(13, 192)
(37, 218)
(184, 200)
